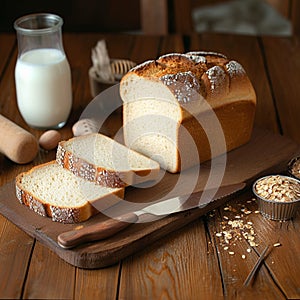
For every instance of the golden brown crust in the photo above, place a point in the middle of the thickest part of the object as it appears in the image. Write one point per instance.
(210, 74)
(66, 215)
(60, 214)
(196, 79)
(238, 115)
(100, 175)
(86, 170)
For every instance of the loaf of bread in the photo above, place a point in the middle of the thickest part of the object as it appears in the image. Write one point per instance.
(182, 109)
(100, 159)
(50, 190)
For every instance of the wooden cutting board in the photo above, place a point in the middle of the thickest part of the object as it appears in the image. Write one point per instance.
(266, 153)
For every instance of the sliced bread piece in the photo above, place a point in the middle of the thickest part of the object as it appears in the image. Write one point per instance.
(98, 158)
(50, 190)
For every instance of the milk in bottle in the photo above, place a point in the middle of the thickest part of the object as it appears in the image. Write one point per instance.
(42, 73)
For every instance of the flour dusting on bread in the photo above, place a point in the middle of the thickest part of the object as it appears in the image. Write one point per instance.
(176, 90)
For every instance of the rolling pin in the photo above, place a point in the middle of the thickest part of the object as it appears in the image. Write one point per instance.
(16, 143)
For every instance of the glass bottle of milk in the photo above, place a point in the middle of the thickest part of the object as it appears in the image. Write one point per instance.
(42, 73)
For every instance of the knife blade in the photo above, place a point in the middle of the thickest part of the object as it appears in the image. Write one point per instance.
(102, 230)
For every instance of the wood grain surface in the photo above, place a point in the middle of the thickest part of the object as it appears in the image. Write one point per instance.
(265, 153)
(189, 263)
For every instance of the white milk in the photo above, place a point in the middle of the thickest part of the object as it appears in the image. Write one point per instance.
(43, 85)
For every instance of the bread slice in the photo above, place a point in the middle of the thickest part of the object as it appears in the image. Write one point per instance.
(184, 109)
(50, 190)
(98, 158)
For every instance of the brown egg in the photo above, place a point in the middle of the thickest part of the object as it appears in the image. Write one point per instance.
(50, 139)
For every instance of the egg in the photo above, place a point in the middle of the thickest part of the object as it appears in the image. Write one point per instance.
(50, 139)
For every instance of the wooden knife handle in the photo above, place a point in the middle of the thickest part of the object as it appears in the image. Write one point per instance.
(95, 232)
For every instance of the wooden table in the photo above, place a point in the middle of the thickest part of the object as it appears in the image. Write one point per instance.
(190, 263)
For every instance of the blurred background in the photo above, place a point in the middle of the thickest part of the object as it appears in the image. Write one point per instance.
(271, 17)
(244, 17)
(78, 15)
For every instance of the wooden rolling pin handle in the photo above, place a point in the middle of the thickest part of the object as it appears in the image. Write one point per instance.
(16, 143)
(95, 232)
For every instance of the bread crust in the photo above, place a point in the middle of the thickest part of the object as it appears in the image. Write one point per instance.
(101, 176)
(194, 78)
(60, 214)
(86, 170)
(214, 76)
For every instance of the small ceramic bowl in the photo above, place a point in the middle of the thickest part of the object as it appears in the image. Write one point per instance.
(294, 167)
(278, 196)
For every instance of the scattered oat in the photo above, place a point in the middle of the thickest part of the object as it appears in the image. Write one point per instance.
(235, 227)
(252, 244)
(277, 245)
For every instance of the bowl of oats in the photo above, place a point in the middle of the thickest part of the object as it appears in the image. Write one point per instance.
(294, 167)
(278, 196)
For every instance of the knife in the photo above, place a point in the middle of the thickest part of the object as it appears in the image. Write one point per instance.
(102, 230)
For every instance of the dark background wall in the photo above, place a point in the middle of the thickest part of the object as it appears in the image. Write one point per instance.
(78, 15)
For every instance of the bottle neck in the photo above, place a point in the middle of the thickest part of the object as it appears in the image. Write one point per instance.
(31, 42)
(39, 31)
